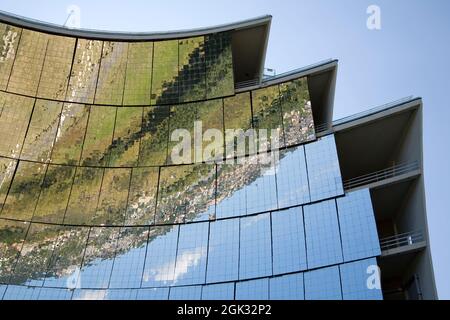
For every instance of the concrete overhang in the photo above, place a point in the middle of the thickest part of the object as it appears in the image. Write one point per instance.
(249, 39)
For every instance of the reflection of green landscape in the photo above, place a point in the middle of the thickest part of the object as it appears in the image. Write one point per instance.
(103, 162)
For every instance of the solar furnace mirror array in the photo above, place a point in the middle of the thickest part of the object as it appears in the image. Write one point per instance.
(93, 207)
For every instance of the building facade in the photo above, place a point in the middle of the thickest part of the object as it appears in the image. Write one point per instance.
(96, 205)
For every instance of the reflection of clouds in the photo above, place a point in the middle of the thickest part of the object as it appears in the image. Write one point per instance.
(250, 221)
(92, 295)
(189, 258)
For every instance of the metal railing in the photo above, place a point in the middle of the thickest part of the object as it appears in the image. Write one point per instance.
(247, 83)
(401, 240)
(323, 127)
(381, 175)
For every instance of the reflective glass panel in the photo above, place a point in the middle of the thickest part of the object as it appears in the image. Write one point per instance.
(122, 294)
(54, 294)
(129, 259)
(111, 77)
(65, 262)
(360, 279)
(81, 294)
(7, 168)
(21, 293)
(185, 293)
(253, 289)
(288, 239)
(15, 114)
(153, 294)
(292, 178)
(9, 39)
(84, 195)
(34, 259)
(220, 291)
(28, 63)
(139, 73)
(192, 69)
(56, 69)
(190, 267)
(165, 72)
(177, 184)
(324, 174)
(24, 191)
(54, 196)
(323, 284)
(358, 228)
(12, 235)
(322, 234)
(219, 65)
(124, 150)
(83, 78)
(296, 109)
(41, 131)
(223, 253)
(266, 109)
(288, 287)
(154, 136)
(142, 196)
(98, 258)
(99, 135)
(255, 254)
(112, 202)
(161, 256)
(70, 134)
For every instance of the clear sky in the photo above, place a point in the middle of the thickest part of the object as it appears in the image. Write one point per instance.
(410, 55)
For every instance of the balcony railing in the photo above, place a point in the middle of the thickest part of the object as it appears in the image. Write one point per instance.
(247, 83)
(384, 174)
(401, 240)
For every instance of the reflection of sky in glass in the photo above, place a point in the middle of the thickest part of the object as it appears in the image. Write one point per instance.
(221, 291)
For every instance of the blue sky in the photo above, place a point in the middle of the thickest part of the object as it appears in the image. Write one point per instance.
(410, 55)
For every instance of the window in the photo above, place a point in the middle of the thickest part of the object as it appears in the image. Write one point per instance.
(15, 114)
(28, 63)
(70, 134)
(165, 71)
(322, 234)
(153, 294)
(288, 287)
(83, 78)
(360, 280)
(220, 291)
(13, 235)
(9, 39)
(54, 196)
(63, 266)
(323, 284)
(138, 75)
(57, 64)
(324, 174)
(129, 258)
(223, 253)
(111, 77)
(7, 168)
(98, 259)
(84, 195)
(185, 293)
(253, 289)
(41, 131)
(99, 135)
(124, 149)
(358, 227)
(161, 256)
(142, 196)
(191, 70)
(190, 267)
(296, 109)
(113, 197)
(292, 178)
(24, 191)
(288, 237)
(255, 256)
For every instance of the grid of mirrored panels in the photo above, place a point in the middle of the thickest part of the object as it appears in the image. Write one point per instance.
(349, 281)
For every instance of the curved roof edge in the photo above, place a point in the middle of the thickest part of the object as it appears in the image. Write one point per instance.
(47, 27)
